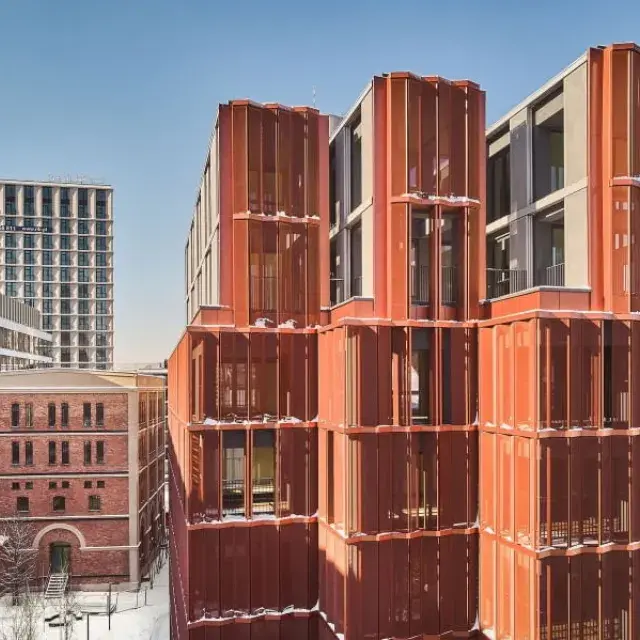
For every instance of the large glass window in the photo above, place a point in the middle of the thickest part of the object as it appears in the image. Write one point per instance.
(10, 208)
(11, 256)
(10, 273)
(65, 243)
(355, 131)
(47, 202)
(29, 241)
(101, 204)
(83, 203)
(15, 453)
(355, 259)
(263, 471)
(29, 200)
(83, 243)
(101, 243)
(233, 471)
(65, 203)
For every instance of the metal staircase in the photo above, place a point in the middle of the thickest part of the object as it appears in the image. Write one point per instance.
(56, 585)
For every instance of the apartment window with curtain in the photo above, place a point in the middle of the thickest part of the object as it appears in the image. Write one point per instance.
(100, 414)
(86, 414)
(15, 453)
(100, 452)
(15, 414)
(28, 453)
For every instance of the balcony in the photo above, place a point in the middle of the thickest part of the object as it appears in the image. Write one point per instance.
(504, 282)
(419, 285)
(336, 291)
(552, 276)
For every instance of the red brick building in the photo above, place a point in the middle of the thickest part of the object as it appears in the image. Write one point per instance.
(84, 461)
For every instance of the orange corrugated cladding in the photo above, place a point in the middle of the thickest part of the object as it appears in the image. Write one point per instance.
(395, 424)
(560, 412)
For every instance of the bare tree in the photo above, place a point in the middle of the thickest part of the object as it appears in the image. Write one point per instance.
(17, 557)
(17, 576)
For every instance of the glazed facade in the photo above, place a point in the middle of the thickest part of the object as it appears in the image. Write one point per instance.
(454, 443)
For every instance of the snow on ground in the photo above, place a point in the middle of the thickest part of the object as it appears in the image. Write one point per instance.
(130, 621)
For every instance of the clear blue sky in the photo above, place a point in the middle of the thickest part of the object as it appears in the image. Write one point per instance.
(126, 90)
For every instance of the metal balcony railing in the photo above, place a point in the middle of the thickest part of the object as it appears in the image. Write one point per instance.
(420, 284)
(449, 285)
(336, 290)
(552, 276)
(502, 282)
(233, 497)
(263, 491)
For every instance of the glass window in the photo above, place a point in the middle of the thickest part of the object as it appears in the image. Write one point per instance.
(30, 289)
(88, 484)
(15, 486)
(10, 256)
(58, 503)
(15, 414)
(101, 307)
(87, 452)
(28, 453)
(65, 307)
(83, 203)
(11, 289)
(47, 323)
(65, 291)
(47, 257)
(65, 484)
(65, 226)
(65, 452)
(86, 414)
(100, 452)
(83, 291)
(84, 323)
(100, 484)
(65, 202)
(101, 291)
(47, 200)
(52, 452)
(83, 243)
(101, 243)
(83, 307)
(47, 306)
(94, 503)
(99, 414)
(29, 257)
(15, 453)
(101, 228)
(65, 414)
(52, 414)
(83, 228)
(102, 275)
(66, 258)
(10, 273)
(48, 290)
(11, 241)
(65, 243)
(84, 260)
(29, 273)
(28, 410)
(28, 485)
(29, 201)
(102, 340)
(102, 323)
(22, 504)
(47, 242)
(65, 325)
(29, 241)
(47, 274)
(101, 204)
(65, 274)
(10, 200)
(84, 275)
(101, 260)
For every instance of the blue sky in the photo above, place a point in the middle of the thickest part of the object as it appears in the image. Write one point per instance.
(126, 91)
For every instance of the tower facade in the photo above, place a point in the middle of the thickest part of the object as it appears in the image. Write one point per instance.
(243, 381)
(559, 352)
(397, 428)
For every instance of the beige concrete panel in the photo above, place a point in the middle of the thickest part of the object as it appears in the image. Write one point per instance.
(549, 109)
(499, 144)
(366, 117)
(575, 125)
(576, 240)
(518, 118)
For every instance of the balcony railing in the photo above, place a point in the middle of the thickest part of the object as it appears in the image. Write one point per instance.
(502, 282)
(552, 276)
(263, 496)
(233, 497)
(420, 284)
(449, 285)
